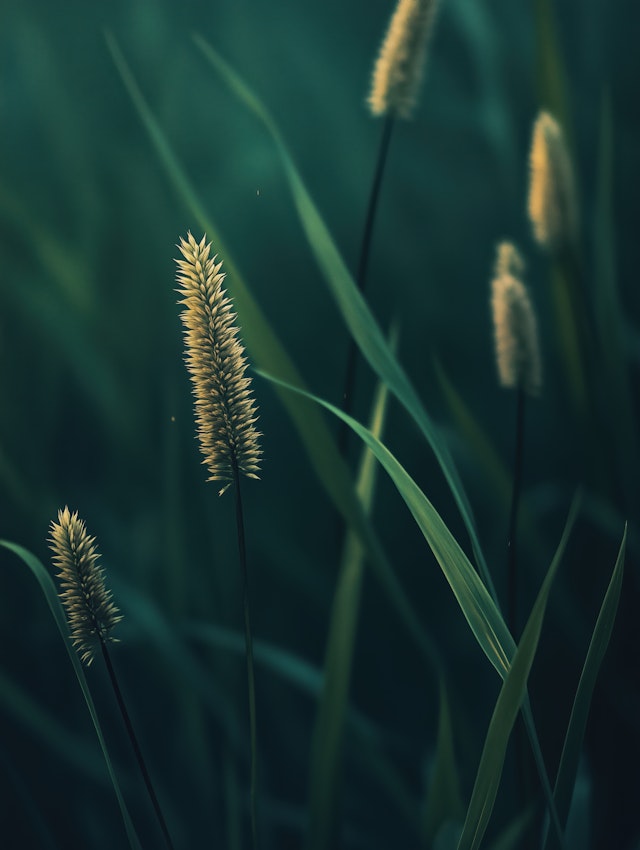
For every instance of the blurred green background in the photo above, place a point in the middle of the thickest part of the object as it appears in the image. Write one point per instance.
(97, 413)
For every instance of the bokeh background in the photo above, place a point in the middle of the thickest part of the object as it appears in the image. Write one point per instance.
(97, 414)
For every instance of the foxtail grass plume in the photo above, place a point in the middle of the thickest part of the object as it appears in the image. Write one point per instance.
(515, 326)
(553, 208)
(226, 413)
(90, 611)
(398, 71)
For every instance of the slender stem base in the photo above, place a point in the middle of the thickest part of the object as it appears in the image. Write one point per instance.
(134, 743)
(512, 588)
(361, 278)
(512, 568)
(249, 652)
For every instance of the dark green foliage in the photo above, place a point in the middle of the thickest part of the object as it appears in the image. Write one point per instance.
(111, 149)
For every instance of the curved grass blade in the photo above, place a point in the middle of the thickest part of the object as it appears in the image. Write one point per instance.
(267, 351)
(476, 604)
(478, 607)
(570, 758)
(512, 693)
(51, 595)
(352, 305)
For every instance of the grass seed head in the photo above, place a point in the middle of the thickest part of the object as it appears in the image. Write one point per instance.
(226, 413)
(553, 208)
(399, 69)
(515, 326)
(90, 610)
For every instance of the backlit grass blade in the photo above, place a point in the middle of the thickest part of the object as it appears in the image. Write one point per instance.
(267, 352)
(512, 693)
(51, 595)
(476, 604)
(569, 760)
(352, 305)
(327, 739)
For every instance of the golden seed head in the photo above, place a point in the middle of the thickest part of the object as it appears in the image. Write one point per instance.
(399, 68)
(90, 611)
(515, 326)
(226, 413)
(553, 208)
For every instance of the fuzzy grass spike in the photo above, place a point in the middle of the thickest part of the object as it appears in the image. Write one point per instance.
(90, 610)
(226, 413)
(399, 68)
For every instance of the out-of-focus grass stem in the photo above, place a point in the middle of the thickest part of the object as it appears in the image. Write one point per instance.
(512, 536)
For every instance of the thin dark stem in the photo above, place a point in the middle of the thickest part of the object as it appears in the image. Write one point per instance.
(512, 584)
(134, 743)
(512, 568)
(249, 652)
(361, 278)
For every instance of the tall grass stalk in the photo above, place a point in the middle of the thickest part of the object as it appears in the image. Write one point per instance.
(92, 615)
(226, 414)
(395, 85)
(361, 278)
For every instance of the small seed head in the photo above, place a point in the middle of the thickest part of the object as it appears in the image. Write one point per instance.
(399, 69)
(90, 611)
(515, 327)
(553, 208)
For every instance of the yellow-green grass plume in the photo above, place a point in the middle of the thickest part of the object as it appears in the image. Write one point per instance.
(553, 207)
(399, 69)
(90, 610)
(226, 412)
(515, 325)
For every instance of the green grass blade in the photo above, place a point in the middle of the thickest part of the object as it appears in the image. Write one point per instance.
(327, 739)
(352, 305)
(476, 604)
(512, 693)
(444, 802)
(568, 767)
(478, 607)
(51, 595)
(267, 351)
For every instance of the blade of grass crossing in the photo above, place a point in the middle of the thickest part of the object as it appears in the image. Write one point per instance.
(570, 758)
(476, 604)
(506, 710)
(355, 311)
(51, 595)
(266, 350)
